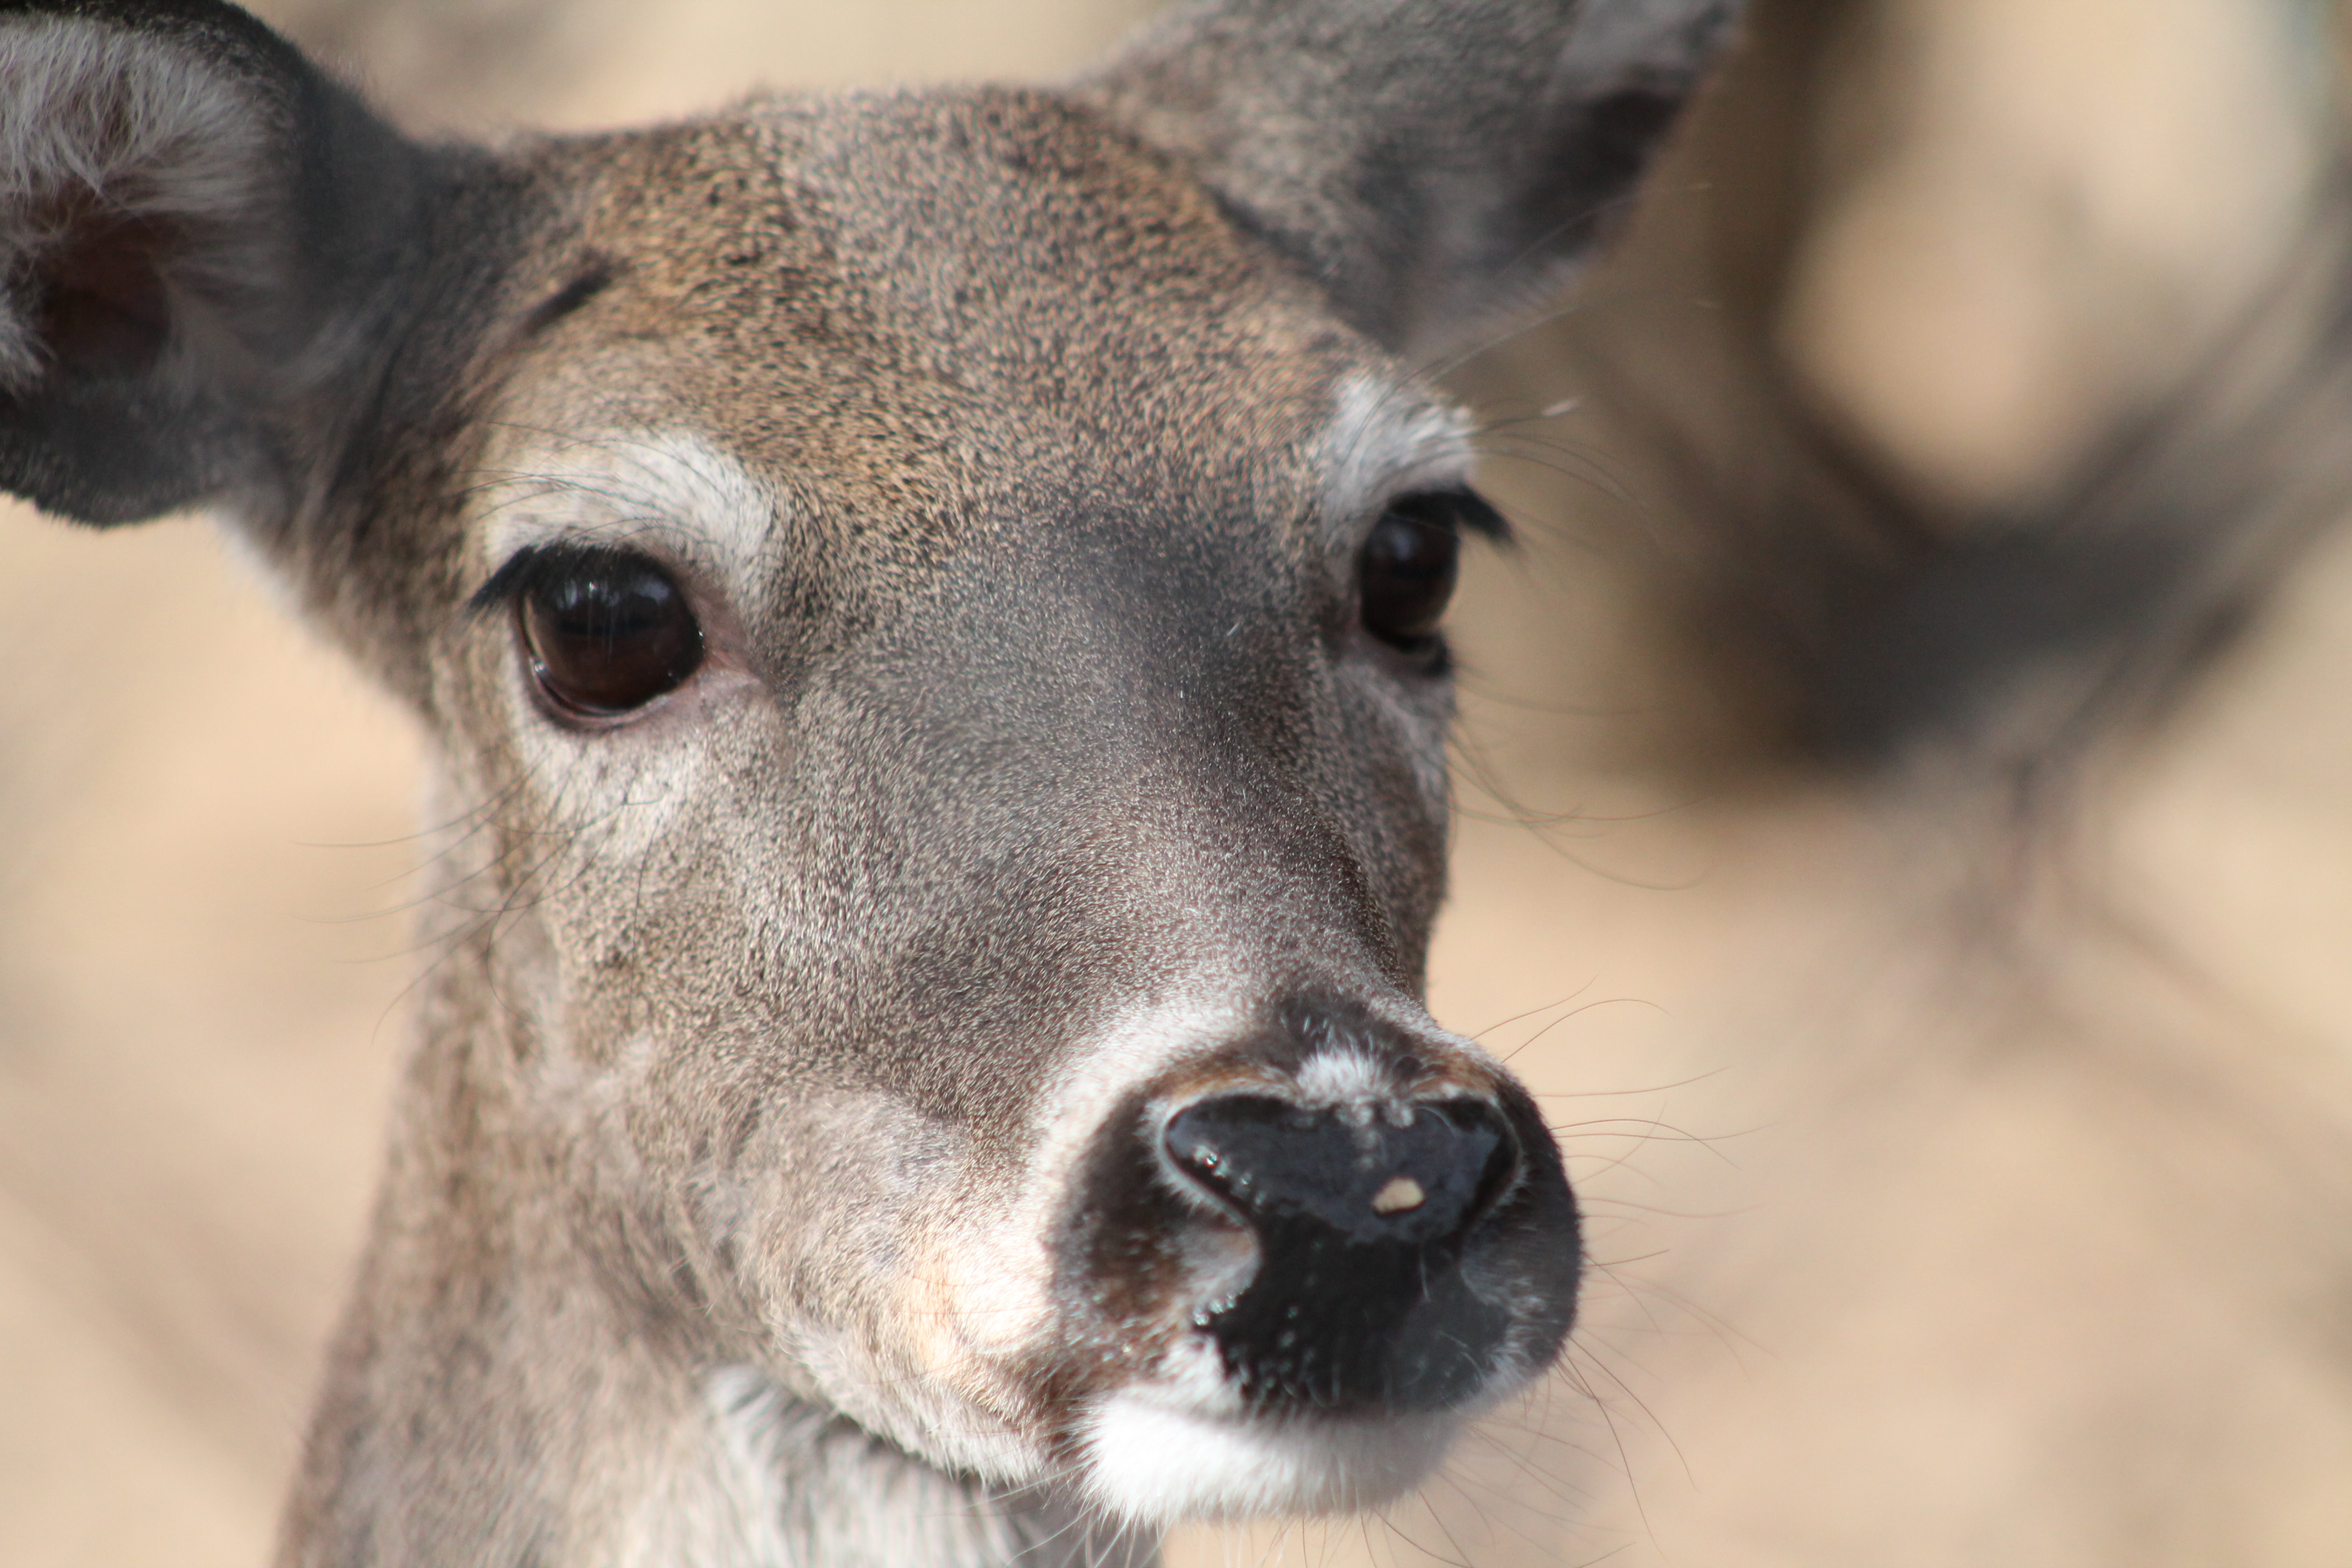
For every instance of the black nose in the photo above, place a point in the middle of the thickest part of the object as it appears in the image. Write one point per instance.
(1362, 1215)
(1362, 1176)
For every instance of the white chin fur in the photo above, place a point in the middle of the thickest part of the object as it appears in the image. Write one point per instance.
(1153, 1464)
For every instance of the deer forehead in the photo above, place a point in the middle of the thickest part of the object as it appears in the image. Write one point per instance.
(850, 331)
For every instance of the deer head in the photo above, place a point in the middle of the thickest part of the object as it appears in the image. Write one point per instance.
(928, 606)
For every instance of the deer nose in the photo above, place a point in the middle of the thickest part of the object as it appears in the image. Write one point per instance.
(1360, 1175)
(1363, 1213)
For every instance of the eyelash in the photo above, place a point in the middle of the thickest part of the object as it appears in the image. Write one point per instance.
(531, 567)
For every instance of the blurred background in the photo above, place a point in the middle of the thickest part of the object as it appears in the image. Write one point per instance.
(1905, 831)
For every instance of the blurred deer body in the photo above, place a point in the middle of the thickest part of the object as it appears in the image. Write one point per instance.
(927, 606)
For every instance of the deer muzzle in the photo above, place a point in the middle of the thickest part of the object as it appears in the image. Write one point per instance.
(1322, 1250)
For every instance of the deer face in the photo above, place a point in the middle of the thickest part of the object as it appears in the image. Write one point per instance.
(929, 607)
(946, 636)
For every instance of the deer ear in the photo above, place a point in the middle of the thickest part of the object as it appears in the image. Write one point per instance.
(196, 227)
(1431, 163)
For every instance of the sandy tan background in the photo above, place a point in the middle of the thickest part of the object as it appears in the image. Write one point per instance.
(1956, 1203)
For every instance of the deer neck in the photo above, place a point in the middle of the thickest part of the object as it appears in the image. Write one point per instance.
(500, 1394)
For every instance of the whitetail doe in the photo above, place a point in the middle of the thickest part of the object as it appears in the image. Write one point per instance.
(928, 604)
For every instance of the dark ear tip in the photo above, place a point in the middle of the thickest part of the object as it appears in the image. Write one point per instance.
(217, 20)
(67, 485)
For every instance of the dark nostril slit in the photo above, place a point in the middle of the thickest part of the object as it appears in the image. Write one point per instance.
(1363, 1176)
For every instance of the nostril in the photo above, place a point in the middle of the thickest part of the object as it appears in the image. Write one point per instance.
(1425, 1178)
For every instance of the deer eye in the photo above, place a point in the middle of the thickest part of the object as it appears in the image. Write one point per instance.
(607, 630)
(1404, 575)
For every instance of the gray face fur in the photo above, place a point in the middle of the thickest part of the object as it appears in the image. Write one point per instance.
(821, 1038)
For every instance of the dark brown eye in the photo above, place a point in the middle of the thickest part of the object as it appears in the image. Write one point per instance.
(1405, 575)
(607, 630)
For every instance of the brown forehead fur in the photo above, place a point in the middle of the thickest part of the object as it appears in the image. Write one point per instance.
(911, 310)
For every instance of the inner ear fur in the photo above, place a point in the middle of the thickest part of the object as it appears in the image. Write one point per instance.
(1432, 163)
(197, 231)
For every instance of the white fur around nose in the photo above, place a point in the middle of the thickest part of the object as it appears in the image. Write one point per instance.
(1158, 1463)
(1339, 1077)
(96, 113)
